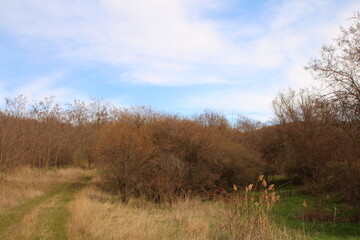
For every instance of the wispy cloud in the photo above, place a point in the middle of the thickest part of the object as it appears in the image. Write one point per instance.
(234, 101)
(139, 34)
(47, 86)
(163, 36)
(179, 43)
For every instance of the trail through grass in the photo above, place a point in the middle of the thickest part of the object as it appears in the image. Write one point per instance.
(43, 217)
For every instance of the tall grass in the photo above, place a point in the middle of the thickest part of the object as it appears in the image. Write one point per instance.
(249, 214)
(97, 215)
(94, 216)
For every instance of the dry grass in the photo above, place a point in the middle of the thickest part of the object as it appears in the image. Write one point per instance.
(26, 183)
(249, 215)
(94, 218)
(96, 215)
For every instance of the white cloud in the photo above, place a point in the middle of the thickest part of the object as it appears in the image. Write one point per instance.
(298, 77)
(254, 104)
(113, 30)
(152, 34)
(139, 34)
(43, 87)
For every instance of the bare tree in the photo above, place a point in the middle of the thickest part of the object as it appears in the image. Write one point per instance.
(338, 68)
(12, 132)
(245, 124)
(212, 119)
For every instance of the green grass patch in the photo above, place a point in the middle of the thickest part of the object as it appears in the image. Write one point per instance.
(291, 213)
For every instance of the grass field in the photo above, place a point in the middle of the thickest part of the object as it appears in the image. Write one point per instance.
(96, 215)
(68, 204)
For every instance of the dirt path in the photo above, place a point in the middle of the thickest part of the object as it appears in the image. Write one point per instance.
(44, 217)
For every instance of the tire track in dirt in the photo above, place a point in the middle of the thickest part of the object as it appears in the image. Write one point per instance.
(44, 217)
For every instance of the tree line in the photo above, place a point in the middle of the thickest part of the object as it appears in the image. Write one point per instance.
(139, 150)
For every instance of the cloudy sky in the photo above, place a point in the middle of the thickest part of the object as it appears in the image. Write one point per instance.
(180, 56)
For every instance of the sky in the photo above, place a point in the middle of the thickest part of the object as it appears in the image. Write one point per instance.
(178, 56)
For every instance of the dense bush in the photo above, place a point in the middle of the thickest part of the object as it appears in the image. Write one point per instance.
(168, 156)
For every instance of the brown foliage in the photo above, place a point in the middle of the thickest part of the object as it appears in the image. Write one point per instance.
(141, 152)
(161, 156)
(127, 157)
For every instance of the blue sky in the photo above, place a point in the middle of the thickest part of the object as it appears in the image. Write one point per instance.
(180, 56)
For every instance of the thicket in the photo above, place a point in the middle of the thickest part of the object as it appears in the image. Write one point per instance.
(140, 152)
(43, 134)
